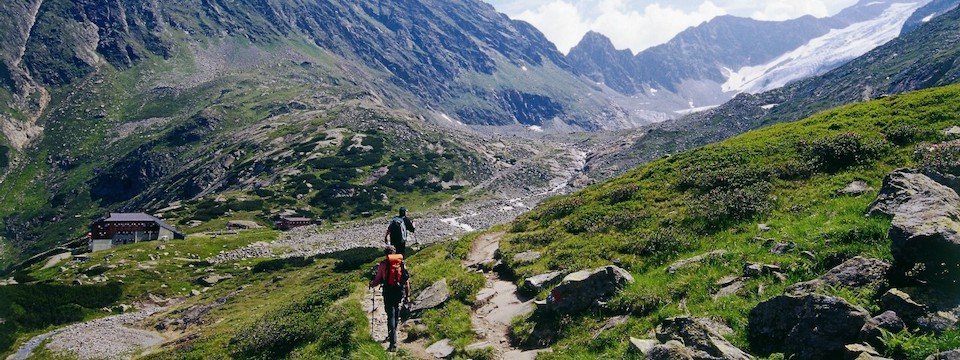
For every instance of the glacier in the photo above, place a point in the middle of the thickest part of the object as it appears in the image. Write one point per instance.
(824, 53)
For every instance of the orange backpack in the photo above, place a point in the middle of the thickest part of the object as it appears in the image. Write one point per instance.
(395, 270)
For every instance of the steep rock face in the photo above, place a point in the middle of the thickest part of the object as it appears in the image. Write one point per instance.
(427, 49)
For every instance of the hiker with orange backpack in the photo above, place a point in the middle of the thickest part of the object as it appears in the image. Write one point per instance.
(392, 273)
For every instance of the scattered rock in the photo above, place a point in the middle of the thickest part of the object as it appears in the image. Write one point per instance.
(535, 284)
(695, 260)
(952, 131)
(949, 355)
(810, 327)
(782, 248)
(937, 322)
(902, 304)
(609, 324)
(855, 273)
(479, 346)
(672, 350)
(583, 289)
(194, 292)
(700, 336)
(855, 188)
(889, 321)
(727, 280)
(764, 227)
(809, 255)
(753, 270)
(643, 346)
(526, 257)
(729, 289)
(861, 352)
(431, 297)
(441, 349)
(213, 279)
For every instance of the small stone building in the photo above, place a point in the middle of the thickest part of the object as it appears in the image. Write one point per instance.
(128, 228)
(289, 223)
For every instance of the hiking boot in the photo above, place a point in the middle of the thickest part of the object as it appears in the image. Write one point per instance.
(392, 348)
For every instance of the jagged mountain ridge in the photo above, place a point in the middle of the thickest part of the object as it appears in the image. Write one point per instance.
(923, 58)
(708, 64)
(426, 51)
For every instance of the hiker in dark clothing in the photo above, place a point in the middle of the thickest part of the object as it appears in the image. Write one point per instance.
(398, 232)
(392, 273)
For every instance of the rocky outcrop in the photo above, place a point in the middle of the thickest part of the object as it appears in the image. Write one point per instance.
(431, 297)
(855, 273)
(583, 289)
(808, 327)
(926, 226)
(702, 337)
(536, 284)
(526, 257)
(213, 279)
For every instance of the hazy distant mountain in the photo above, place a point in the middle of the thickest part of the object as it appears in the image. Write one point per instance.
(927, 57)
(709, 64)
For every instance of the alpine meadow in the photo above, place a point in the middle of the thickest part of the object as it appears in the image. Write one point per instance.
(436, 179)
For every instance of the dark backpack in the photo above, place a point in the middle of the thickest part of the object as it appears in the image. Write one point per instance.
(398, 231)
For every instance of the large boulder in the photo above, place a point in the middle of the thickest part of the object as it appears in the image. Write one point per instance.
(856, 273)
(701, 336)
(926, 226)
(583, 289)
(811, 326)
(431, 297)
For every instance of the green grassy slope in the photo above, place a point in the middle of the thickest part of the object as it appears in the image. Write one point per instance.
(714, 197)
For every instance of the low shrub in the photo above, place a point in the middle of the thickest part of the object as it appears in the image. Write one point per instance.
(943, 158)
(840, 152)
(903, 134)
(309, 320)
(721, 206)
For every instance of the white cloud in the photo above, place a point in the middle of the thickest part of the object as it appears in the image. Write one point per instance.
(640, 24)
(565, 25)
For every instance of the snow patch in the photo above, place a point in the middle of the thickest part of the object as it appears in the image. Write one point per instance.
(769, 106)
(823, 53)
(695, 110)
(928, 18)
(524, 68)
(535, 128)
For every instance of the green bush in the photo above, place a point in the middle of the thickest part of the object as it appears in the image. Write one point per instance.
(836, 153)
(903, 134)
(559, 208)
(910, 346)
(720, 206)
(30, 307)
(943, 158)
(278, 333)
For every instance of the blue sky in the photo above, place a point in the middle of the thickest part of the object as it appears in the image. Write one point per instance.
(639, 24)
